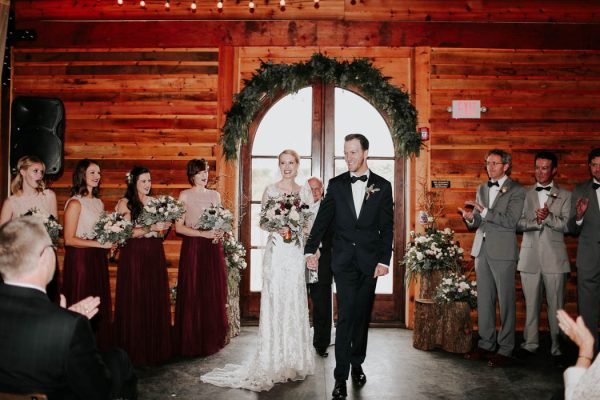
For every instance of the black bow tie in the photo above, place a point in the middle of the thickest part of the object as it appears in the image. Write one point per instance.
(363, 178)
(595, 185)
(540, 188)
(490, 184)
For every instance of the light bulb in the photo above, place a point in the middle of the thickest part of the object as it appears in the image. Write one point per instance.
(251, 5)
(120, 2)
(220, 5)
(193, 6)
(142, 3)
(281, 3)
(167, 4)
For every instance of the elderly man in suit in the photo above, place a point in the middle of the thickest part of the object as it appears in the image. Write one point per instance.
(543, 260)
(320, 291)
(584, 220)
(45, 348)
(495, 214)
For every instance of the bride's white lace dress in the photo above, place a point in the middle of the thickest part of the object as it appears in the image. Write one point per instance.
(284, 347)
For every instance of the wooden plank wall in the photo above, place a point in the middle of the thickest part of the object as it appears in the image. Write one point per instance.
(151, 107)
(536, 100)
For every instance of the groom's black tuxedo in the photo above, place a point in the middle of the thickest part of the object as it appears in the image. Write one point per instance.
(47, 349)
(360, 242)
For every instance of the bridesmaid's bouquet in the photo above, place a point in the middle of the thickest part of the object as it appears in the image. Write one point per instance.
(216, 218)
(112, 228)
(161, 209)
(50, 223)
(235, 256)
(286, 211)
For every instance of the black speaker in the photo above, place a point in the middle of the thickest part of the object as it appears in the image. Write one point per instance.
(37, 129)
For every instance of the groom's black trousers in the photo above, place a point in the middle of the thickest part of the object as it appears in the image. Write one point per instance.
(355, 295)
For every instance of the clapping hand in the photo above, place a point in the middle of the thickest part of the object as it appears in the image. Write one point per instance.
(581, 207)
(87, 307)
(578, 333)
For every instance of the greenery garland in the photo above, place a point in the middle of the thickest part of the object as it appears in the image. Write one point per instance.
(270, 80)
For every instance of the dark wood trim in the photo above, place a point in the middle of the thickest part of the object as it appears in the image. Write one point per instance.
(120, 34)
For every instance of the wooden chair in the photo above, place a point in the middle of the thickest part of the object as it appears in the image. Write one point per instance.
(33, 396)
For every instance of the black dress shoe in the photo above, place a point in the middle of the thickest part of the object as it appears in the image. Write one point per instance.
(322, 352)
(358, 376)
(339, 391)
(524, 354)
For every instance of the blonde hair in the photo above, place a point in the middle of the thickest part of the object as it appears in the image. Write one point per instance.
(16, 185)
(290, 152)
(22, 240)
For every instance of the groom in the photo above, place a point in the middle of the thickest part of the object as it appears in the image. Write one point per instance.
(359, 206)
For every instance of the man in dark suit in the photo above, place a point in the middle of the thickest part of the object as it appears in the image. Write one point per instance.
(320, 291)
(496, 212)
(45, 348)
(359, 205)
(584, 220)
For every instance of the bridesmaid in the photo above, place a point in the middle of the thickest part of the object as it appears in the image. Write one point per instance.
(86, 261)
(28, 191)
(142, 307)
(200, 316)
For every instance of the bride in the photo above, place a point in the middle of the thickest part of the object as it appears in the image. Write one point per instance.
(284, 349)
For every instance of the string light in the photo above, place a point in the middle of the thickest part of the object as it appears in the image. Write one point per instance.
(167, 4)
(251, 5)
(220, 5)
(282, 3)
(193, 6)
(142, 4)
(120, 2)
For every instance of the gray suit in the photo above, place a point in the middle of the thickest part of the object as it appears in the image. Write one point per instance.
(588, 257)
(495, 250)
(543, 262)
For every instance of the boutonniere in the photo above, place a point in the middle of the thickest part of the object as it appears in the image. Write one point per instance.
(369, 190)
(504, 189)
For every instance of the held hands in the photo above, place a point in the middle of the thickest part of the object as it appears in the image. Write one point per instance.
(107, 245)
(381, 270)
(578, 333)
(312, 260)
(541, 213)
(160, 226)
(87, 307)
(581, 207)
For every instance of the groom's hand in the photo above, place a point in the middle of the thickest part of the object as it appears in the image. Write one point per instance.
(381, 270)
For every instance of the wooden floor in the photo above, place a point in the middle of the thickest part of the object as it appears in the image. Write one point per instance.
(395, 370)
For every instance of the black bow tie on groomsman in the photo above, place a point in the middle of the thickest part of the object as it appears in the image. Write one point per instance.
(595, 185)
(540, 188)
(363, 178)
(490, 184)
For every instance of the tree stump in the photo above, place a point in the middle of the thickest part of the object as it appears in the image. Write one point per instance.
(233, 304)
(426, 324)
(457, 327)
(429, 283)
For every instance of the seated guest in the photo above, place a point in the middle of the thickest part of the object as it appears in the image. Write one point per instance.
(43, 347)
(582, 381)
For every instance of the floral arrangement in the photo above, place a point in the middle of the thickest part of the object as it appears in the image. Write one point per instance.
(112, 228)
(370, 190)
(431, 251)
(286, 211)
(235, 258)
(161, 209)
(216, 218)
(455, 287)
(50, 223)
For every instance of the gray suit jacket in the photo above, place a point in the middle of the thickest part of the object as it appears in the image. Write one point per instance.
(500, 223)
(589, 232)
(543, 247)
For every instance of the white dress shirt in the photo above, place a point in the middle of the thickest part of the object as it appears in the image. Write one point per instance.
(358, 192)
(494, 190)
(543, 194)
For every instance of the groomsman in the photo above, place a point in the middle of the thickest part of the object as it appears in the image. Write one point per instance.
(320, 291)
(584, 220)
(543, 260)
(496, 212)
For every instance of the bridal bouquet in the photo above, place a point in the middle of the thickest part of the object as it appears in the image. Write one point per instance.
(434, 250)
(286, 211)
(50, 223)
(112, 228)
(161, 209)
(455, 287)
(216, 218)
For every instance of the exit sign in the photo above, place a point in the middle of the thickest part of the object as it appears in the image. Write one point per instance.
(466, 109)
